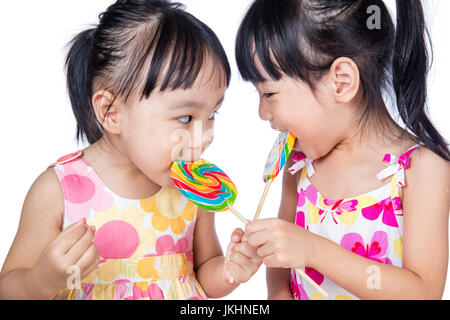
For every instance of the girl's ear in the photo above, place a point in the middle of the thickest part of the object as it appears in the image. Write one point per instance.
(107, 111)
(345, 77)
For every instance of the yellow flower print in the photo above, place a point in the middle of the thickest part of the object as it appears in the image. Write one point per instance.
(146, 268)
(315, 296)
(398, 247)
(170, 208)
(342, 297)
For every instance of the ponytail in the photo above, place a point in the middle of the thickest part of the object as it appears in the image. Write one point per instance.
(410, 70)
(79, 84)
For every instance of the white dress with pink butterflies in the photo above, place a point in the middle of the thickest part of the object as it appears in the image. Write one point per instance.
(370, 225)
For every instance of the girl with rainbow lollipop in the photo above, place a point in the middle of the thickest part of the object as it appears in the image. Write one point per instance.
(369, 217)
(109, 214)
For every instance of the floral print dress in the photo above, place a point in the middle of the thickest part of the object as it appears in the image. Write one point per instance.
(370, 225)
(145, 245)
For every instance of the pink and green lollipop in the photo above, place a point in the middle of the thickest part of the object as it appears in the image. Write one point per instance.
(278, 157)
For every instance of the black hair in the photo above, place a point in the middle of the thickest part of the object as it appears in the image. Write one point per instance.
(154, 40)
(302, 38)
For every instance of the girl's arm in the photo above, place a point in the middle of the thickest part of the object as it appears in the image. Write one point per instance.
(208, 257)
(212, 269)
(40, 223)
(425, 242)
(278, 280)
(36, 265)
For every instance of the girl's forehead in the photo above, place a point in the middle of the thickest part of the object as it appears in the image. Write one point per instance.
(211, 75)
(259, 66)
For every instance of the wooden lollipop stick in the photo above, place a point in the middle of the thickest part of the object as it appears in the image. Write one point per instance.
(263, 198)
(312, 282)
(245, 221)
(237, 214)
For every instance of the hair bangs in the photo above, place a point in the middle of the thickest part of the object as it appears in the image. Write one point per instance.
(266, 34)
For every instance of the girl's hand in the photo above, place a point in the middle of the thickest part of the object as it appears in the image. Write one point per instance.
(242, 261)
(281, 244)
(73, 250)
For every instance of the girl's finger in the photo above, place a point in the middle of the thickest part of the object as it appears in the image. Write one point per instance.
(91, 268)
(68, 230)
(265, 251)
(246, 249)
(89, 258)
(258, 238)
(237, 234)
(81, 246)
(241, 260)
(229, 249)
(258, 225)
(70, 238)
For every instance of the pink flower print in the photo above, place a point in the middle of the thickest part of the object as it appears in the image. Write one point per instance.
(309, 193)
(189, 235)
(117, 239)
(338, 207)
(83, 190)
(197, 297)
(165, 245)
(296, 288)
(300, 219)
(315, 275)
(388, 207)
(87, 289)
(301, 198)
(376, 251)
(152, 292)
(121, 288)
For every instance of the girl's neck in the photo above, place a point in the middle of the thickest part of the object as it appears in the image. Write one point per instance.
(373, 140)
(118, 171)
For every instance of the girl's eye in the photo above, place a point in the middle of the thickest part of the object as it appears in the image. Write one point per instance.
(185, 119)
(268, 95)
(213, 116)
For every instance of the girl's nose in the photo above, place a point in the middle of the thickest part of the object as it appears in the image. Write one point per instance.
(264, 113)
(200, 139)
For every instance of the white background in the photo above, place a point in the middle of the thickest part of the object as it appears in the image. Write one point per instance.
(37, 125)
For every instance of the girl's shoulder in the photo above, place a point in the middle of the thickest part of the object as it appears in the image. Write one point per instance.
(45, 199)
(427, 182)
(45, 196)
(425, 165)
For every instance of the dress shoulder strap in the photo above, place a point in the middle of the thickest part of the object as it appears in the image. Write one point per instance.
(301, 161)
(397, 166)
(68, 158)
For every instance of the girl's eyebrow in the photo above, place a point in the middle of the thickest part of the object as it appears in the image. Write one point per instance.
(193, 104)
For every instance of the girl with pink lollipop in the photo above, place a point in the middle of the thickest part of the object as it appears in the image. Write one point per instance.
(369, 218)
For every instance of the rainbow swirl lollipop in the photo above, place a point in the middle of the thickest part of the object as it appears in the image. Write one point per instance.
(205, 185)
(278, 155)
